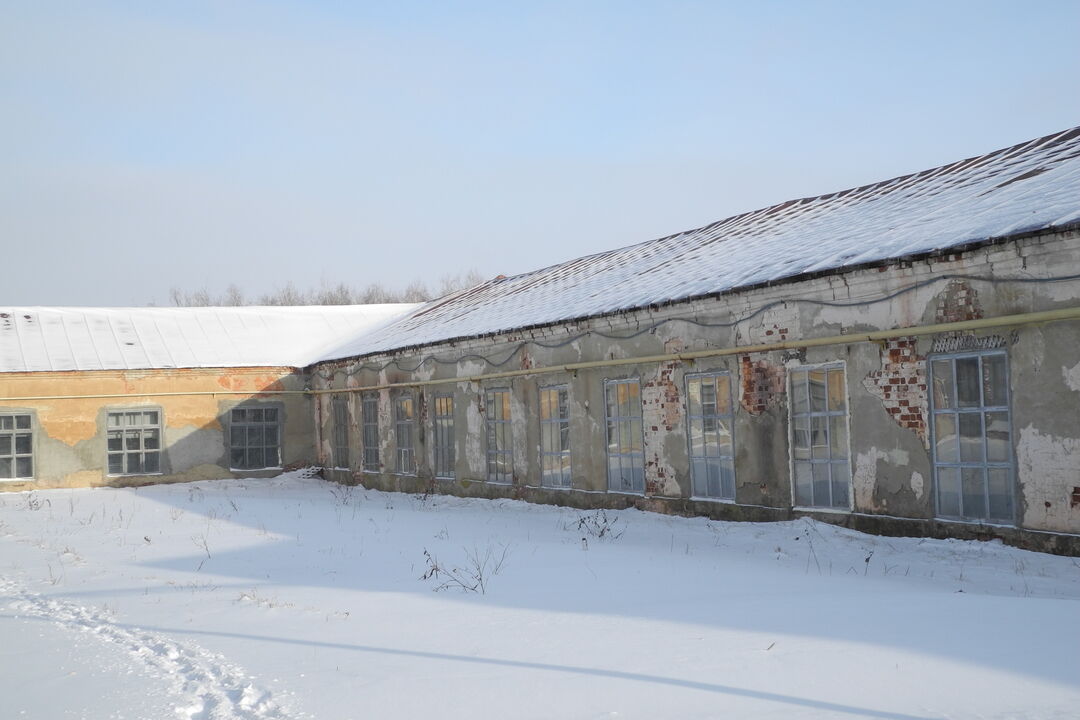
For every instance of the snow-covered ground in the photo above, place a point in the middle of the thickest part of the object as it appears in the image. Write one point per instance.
(295, 598)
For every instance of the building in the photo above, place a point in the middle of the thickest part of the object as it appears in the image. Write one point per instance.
(899, 358)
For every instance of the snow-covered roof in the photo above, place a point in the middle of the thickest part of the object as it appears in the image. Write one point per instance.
(76, 338)
(1034, 186)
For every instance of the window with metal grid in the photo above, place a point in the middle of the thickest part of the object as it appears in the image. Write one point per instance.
(625, 439)
(499, 459)
(133, 442)
(403, 434)
(16, 446)
(255, 438)
(340, 406)
(555, 436)
(819, 437)
(443, 431)
(971, 433)
(710, 421)
(369, 417)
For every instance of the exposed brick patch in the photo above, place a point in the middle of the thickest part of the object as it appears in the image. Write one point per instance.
(762, 384)
(958, 302)
(661, 408)
(1074, 499)
(901, 384)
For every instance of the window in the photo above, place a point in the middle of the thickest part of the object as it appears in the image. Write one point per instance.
(254, 438)
(444, 436)
(499, 463)
(819, 437)
(625, 453)
(16, 446)
(710, 419)
(133, 443)
(972, 437)
(370, 417)
(555, 436)
(340, 406)
(403, 434)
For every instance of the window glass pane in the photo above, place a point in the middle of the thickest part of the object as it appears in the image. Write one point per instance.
(22, 422)
(999, 486)
(816, 379)
(838, 436)
(801, 438)
(116, 463)
(804, 494)
(116, 441)
(971, 437)
(713, 468)
(837, 391)
(723, 395)
(693, 396)
(994, 381)
(255, 458)
(5, 445)
(151, 440)
(821, 483)
(943, 384)
(699, 477)
(151, 462)
(948, 492)
(727, 479)
(239, 415)
(967, 382)
(839, 473)
(134, 463)
(7, 467)
(133, 419)
(723, 431)
(972, 488)
(236, 458)
(8, 423)
(997, 437)
(150, 418)
(708, 397)
(255, 415)
(24, 468)
(819, 439)
(697, 438)
(945, 434)
(270, 415)
(131, 440)
(799, 394)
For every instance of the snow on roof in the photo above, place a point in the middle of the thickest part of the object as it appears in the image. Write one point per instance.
(75, 338)
(1034, 186)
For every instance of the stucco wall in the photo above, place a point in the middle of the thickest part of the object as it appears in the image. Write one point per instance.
(69, 433)
(892, 473)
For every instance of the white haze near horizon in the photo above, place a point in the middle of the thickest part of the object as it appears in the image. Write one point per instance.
(202, 144)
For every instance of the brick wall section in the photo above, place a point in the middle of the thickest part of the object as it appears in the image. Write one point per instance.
(762, 384)
(901, 385)
(661, 410)
(959, 301)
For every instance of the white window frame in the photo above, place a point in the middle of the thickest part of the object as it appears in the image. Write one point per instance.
(555, 440)
(625, 459)
(701, 464)
(498, 423)
(828, 415)
(369, 431)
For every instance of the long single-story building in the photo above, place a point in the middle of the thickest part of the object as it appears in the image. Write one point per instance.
(902, 358)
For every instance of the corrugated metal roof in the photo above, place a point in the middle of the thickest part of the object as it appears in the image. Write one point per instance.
(41, 339)
(1033, 186)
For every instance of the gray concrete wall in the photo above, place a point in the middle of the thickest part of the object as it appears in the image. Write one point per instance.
(892, 475)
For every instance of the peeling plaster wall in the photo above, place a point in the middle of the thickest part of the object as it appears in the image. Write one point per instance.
(70, 437)
(887, 393)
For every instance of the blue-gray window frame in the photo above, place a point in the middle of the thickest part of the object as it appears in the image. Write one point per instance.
(555, 460)
(827, 415)
(711, 471)
(625, 467)
(500, 461)
(339, 406)
(405, 433)
(442, 421)
(984, 464)
(369, 421)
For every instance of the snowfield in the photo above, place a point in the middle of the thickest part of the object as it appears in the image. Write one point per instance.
(296, 598)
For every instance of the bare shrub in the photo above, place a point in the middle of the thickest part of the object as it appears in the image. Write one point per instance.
(472, 576)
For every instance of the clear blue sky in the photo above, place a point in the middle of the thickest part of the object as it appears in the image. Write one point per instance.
(145, 145)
